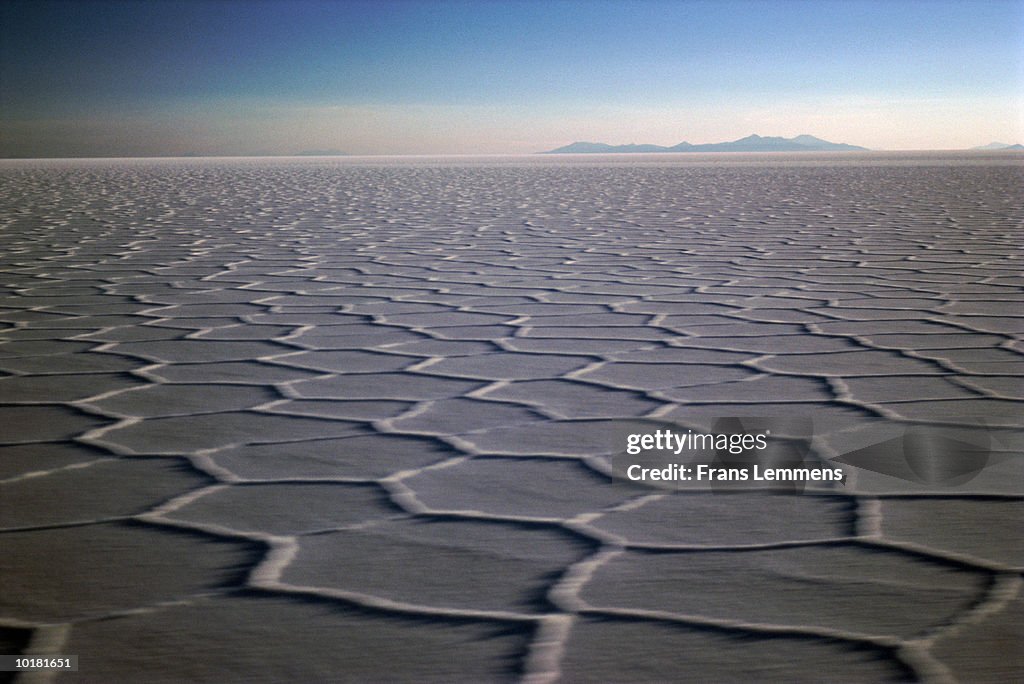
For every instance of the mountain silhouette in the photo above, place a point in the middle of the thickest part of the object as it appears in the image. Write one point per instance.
(999, 146)
(751, 143)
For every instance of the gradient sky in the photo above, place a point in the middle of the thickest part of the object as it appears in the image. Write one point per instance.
(211, 77)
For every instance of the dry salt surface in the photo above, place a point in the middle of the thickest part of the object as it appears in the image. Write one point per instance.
(349, 419)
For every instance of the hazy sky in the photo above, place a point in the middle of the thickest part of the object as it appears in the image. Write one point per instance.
(163, 77)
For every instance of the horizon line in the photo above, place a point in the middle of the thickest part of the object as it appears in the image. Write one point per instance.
(545, 154)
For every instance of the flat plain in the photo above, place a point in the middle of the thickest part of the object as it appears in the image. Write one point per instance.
(354, 418)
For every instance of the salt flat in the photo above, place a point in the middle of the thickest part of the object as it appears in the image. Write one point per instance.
(354, 418)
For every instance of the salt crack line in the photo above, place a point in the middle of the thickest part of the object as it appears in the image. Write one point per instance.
(962, 559)
(882, 641)
(1002, 590)
(868, 518)
(46, 641)
(42, 473)
(401, 607)
(565, 593)
(542, 664)
(925, 666)
(176, 503)
(764, 546)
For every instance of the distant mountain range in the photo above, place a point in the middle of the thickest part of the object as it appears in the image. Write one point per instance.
(998, 146)
(752, 143)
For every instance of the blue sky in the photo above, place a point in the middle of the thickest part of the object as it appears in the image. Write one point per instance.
(406, 77)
